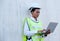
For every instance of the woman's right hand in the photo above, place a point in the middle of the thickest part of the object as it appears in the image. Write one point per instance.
(42, 30)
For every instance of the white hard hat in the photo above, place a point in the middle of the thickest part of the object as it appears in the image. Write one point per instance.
(34, 5)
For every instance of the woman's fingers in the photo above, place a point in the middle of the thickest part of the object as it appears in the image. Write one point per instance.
(42, 30)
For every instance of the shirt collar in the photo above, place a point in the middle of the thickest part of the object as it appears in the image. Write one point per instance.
(33, 19)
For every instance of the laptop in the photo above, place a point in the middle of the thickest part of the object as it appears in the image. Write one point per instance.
(52, 26)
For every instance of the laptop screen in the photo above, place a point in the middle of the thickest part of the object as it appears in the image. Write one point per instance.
(52, 26)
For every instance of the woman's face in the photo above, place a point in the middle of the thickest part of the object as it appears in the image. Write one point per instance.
(36, 13)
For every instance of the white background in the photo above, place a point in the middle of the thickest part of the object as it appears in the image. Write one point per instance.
(13, 12)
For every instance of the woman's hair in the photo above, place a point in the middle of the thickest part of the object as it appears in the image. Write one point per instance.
(33, 9)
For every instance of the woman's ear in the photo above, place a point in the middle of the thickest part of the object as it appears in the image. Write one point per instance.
(32, 12)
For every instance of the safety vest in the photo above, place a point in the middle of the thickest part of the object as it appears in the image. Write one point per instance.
(34, 26)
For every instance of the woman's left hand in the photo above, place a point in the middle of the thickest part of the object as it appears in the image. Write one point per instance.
(47, 32)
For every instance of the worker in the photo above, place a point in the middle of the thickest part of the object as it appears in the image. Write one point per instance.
(33, 30)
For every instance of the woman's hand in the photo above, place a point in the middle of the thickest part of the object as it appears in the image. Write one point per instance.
(43, 31)
(47, 32)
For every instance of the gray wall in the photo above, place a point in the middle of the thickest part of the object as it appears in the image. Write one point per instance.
(13, 12)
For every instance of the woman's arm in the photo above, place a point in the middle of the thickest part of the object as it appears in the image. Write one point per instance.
(27, 32)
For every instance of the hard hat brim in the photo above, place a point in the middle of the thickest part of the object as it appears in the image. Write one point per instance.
(34, 7)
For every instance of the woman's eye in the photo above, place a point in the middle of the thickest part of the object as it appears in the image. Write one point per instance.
(37, 12)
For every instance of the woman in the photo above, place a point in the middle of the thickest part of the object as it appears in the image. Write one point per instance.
(33, 30)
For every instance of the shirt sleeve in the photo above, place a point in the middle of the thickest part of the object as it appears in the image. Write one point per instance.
(27, 32)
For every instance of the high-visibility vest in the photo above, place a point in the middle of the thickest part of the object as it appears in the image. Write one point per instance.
(34, 26)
